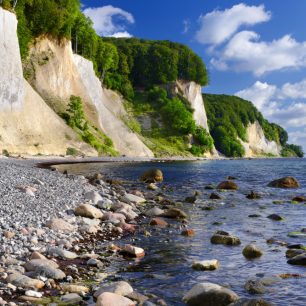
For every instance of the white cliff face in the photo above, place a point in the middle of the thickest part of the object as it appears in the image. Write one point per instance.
(193, 93)
(109, 106)
(65, 74)
(11, 78)
(27, 124)
(258, 144)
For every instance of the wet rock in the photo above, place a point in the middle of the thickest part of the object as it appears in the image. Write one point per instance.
(152, 186)
(285, 182)
(254, 286)
(208, 294)
(133, 198)
(152, 176)
(299, 260)
(221, 237)
(275, 217)
(294, 252)
(209, 187)
(206, 265)
(227, 185)
(74, 288)
(120, 288)
(297, 246)
(133, 251)
(174, 213)
(88, 211)
(139, 298)
(188, 232)
(57, 224)
(251, 302)
(251, 251)
(158, 222)
(112, 299)
(253, 196)
(299, 199)
(191, 199)
(297, 235)
(154, 212)
(24, 281)
(254, 216)
(215, 196)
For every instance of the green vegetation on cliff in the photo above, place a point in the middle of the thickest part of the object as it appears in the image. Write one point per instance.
(167, 125)
(228, 119)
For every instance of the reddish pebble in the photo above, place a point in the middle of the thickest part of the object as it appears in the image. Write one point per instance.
(188, 232)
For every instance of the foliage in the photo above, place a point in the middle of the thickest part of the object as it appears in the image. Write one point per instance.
(228, 118)
(75, 118)
(72, 151)
(291, 150)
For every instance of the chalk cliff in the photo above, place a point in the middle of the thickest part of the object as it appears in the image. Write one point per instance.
(27, 124)
(258, 144)
(62, 74)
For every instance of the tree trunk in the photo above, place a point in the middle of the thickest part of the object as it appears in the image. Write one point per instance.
(102, 76)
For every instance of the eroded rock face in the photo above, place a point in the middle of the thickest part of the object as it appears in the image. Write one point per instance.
(285, 182)
(257, 143)
(208, 294)
(11, 77)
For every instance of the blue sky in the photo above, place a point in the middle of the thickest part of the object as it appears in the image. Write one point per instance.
(254, 49)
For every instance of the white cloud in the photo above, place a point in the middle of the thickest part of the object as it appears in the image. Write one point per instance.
(296, 90)
(245, 52)
(277, 105)
(124, 34)
(186, 24)
(218, 26)
(259, 93)
(105, 23)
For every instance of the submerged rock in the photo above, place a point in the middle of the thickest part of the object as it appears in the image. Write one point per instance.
(208, 294)
(215, 196)
(299, 260)
(158, 222)
(253, 196)
(206, 265)
(251, 251)
(228, 185)
(299, 199)
(174, 213)
(188, 232)
(285, 182)
(254, 286)
(152, 176)
(275, 217)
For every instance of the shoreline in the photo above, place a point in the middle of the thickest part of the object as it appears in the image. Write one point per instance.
(49, 232)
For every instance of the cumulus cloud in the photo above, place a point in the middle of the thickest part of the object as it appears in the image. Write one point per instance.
(245, 52)
(278, 105)
(218, 26)
(109, 20)
(186, 24)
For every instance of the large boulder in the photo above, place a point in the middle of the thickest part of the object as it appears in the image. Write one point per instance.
(112, 299)
(209, 294)
(152, 176)
(88, 211)
(285, 182)
(227, 185)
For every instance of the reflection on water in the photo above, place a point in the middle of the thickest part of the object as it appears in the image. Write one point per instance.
(166, 272)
